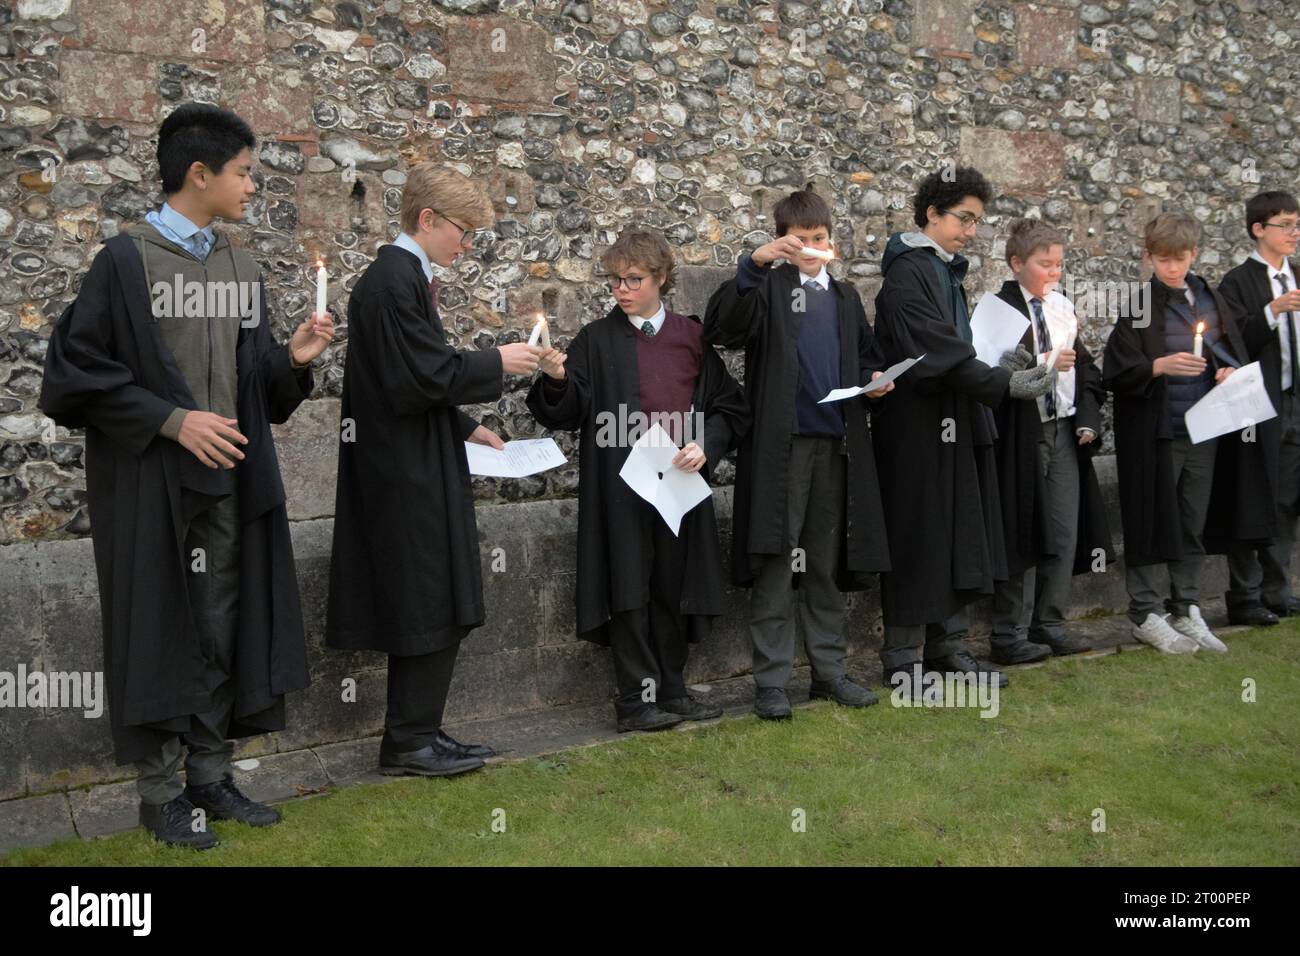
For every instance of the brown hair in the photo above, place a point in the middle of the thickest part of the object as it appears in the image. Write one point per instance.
(649, 250)
(454, 195)
(1171, 233)
(801, 210)
(1027, 236)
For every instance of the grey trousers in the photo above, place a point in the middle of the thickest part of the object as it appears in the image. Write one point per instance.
(1033, 603)
(905, 645)
(814, 514)
(214, 599)
(1193, 476)
(1262, 575)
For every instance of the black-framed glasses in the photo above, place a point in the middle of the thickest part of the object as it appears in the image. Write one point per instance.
(465, 233)
(1288, 228)
(965, 218)
(632, 282)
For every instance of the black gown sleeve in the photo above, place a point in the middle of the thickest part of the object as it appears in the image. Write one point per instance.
(727, 416)
(733, 317)
(420, 371)
(84, 383)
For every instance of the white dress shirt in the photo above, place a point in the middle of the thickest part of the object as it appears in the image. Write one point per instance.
(1284, 329)
(657, 320)
(822, 278)
(1059, 315)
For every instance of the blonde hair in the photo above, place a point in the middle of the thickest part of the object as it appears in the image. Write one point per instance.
(452, 194)
(646, 249)
(1027, 236)
(1171, 233)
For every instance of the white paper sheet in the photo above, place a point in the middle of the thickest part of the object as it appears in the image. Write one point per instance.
(891, 373)
(518, 459)
(649, 471)
(995, 328)
(1236, 402)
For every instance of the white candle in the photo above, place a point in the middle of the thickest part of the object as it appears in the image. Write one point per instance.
(322, 278)
(541, 333)
(1198, 339)
(827, 254)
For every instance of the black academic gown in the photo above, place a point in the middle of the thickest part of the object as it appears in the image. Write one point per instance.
(1240, 471)
(1143, 434)
(934, 448)
(614, 553)
(763, 323)
(108, 371)
(1021, 483)
(404, 571)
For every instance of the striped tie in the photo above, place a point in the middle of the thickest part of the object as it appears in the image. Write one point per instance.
(1044, 344)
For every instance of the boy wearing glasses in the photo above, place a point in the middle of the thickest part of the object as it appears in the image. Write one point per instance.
(644, 591)
(1164, 479)
(806, 498)
(1263, 296)
(934, 439)
(404, 575)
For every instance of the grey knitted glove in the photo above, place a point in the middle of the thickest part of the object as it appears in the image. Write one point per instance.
(1015, 361)
(1031, 382)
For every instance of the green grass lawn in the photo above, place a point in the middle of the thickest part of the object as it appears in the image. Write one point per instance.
(1186, 772)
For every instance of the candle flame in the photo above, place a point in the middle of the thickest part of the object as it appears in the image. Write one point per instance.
(1200, 328)
(320, 263)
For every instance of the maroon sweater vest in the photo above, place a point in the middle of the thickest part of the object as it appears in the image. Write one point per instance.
(669, 365)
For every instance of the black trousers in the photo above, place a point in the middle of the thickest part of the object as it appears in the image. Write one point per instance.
(417, 697)
(649, 642)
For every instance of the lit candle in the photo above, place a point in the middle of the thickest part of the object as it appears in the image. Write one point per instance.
(541, 333)
(1198, 339)
(322, 279)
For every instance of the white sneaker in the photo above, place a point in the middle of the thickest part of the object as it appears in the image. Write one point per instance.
(1194, 626)
(1155, 630)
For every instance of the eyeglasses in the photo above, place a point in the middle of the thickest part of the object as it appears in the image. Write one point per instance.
(473, 235)
(632, 282)
(1288, 228)
(965, 218)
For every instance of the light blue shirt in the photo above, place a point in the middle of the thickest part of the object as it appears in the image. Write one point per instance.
(176, 228)
(403, 241)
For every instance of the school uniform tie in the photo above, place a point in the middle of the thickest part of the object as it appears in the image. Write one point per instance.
(648, 328)
(1044, 343)
(199, 246)
(433, 291)
(1289, 319)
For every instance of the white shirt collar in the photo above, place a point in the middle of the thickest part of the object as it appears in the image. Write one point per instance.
(822, 278)
(657, 320)
(403, 241)
(1273, 273)
(1029, 295)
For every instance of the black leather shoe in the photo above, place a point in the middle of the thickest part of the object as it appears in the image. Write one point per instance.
(1021, 652)
(223, 801)
(426, 762)
(1062, 646)
(1254, 616)
(458, 749)
(771, 703)
(173, 823)
(843, 691)
(1291, 609)
(689, 708)
(965, 662)
(649, 717)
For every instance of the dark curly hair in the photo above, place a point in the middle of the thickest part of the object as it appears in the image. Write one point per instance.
(943, 194)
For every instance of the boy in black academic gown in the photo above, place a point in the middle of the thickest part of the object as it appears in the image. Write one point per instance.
(934, 439)
(1165, 480)
(404, 572)
(1053, 516)
(806, 497)
(646, 592)
(1265, 300)
(203, 631)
